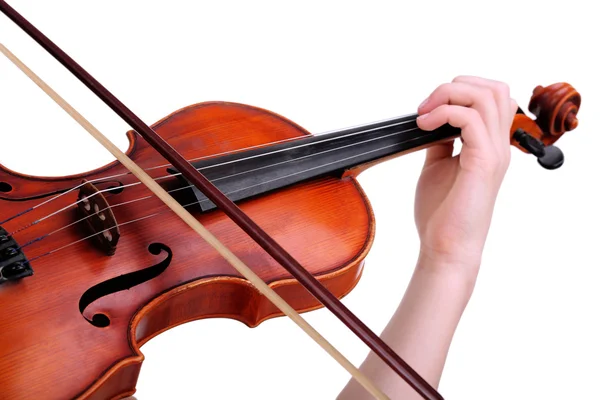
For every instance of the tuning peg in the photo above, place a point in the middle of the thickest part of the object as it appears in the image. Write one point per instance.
(549, 157)
(553, 158)
(555, 108)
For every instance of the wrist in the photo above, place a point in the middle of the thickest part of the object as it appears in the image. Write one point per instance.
(462, 268)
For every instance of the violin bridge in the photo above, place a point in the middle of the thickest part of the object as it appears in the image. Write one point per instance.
(99, 219)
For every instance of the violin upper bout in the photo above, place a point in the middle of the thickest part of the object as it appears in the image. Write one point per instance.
(18, 186)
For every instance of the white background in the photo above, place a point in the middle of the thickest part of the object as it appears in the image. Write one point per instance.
(531, 328)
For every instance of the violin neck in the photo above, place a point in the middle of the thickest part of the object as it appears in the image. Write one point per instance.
(248, 173)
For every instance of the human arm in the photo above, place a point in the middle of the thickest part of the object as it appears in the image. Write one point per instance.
(453, 209)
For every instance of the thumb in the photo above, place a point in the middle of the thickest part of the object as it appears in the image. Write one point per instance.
(439, 152)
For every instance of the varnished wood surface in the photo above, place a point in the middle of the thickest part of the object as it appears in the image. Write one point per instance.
(49, 351)
(555, 107)
(54, 353)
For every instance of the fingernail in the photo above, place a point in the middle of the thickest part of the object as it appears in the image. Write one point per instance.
(422, 117)
(423, 103)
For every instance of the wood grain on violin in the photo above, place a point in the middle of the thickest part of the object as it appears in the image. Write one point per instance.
(329, 216)
(93, 327)
(278, 181)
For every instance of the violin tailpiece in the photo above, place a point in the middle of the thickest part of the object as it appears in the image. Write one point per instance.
(13, 263)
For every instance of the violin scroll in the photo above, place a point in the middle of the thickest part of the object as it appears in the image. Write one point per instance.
(555, 108)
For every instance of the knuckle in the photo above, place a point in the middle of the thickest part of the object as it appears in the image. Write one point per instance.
(468, 117)
(473, 115)
(443, 109)
(500, 88)
(487, 96)
(503, 89)
(442, 90)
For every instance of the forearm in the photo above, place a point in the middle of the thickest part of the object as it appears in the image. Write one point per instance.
(421, 329)
(454, 203)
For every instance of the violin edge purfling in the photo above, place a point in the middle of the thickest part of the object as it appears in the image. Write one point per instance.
(252, 229)
(163, 310)
(535, 142)
(157, 306)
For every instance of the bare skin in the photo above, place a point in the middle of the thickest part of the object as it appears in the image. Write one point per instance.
(454, 203)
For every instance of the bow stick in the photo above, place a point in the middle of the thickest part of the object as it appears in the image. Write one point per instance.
(376, 344)
(193, 223)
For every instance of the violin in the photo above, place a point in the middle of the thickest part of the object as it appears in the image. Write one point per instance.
(98, 263)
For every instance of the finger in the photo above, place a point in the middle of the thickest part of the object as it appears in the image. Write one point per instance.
(439, 152)
(513, 111)
(474, 131)
(513, 107)
(500, 91)
(468, 95)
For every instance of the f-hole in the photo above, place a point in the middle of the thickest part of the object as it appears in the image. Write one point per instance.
(123, 282)
(5, 187)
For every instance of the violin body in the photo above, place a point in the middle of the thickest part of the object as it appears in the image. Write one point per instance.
(93, 266)
(51, 349)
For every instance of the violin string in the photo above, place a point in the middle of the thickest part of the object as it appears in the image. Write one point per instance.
(216, 165)
(37, 221)
(197, 202)
(96, 234)
(38, 239)
(25, 227)
(229, 176)
(409, 375)
(108, 178)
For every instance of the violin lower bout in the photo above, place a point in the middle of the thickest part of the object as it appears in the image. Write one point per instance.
(235, 298)
(326, 224)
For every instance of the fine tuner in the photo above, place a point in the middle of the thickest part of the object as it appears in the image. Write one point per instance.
(95, 265)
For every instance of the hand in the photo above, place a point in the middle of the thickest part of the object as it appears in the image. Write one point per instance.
(456, 195)
(453, 211)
